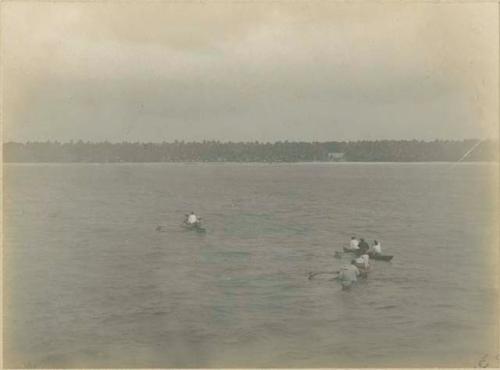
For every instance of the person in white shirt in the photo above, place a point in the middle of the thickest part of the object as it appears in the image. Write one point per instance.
(348, 275)
(354, 243)
(191, 218)
(376, 248)
(363, 263)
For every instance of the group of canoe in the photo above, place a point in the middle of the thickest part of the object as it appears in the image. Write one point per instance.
(359, 266)
(348, 274)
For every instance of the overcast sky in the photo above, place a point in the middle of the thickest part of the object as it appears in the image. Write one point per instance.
(311, 70)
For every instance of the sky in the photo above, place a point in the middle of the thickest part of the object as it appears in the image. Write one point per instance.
(246, 71)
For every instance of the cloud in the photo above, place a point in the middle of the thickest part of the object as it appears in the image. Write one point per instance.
(249, 70)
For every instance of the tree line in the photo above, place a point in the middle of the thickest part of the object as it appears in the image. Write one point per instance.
(281, 151)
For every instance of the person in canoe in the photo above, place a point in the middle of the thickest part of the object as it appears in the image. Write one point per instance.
(363, 246)
(348, 275)
(192, 219)
(363, 264)
(354, 244)
(376, 248)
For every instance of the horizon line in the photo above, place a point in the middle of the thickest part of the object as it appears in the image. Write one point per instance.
(183, 141)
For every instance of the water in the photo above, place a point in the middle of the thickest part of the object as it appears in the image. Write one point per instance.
(88, 282)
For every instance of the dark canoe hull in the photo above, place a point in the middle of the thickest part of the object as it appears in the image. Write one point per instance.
(379, 257)
(346, 250)
(194, 227)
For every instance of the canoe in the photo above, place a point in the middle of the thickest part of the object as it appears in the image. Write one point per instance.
(379, 257)
(347, 250)
(194, 227)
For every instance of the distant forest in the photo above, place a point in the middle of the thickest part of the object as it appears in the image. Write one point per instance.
(215, 151)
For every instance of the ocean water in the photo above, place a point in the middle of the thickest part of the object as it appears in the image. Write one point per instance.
(89, 282)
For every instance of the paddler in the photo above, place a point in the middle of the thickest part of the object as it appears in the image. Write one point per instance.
(363, 264)
(376, 248)
(363, 246)
(348, 275)
(191, 219)
(354, 244)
